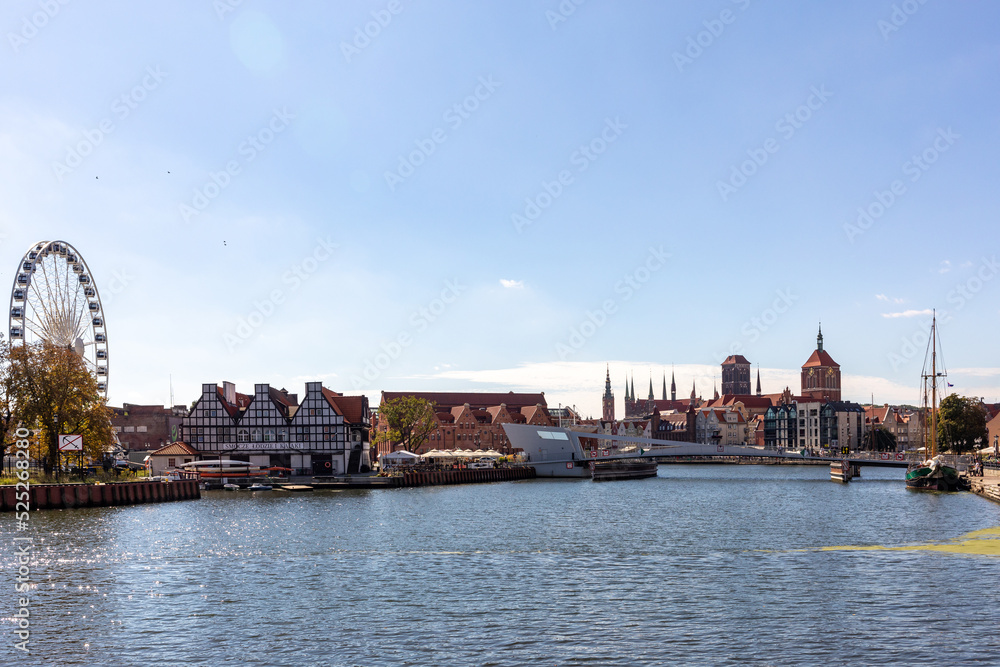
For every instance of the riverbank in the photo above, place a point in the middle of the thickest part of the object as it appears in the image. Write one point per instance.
(987, 486)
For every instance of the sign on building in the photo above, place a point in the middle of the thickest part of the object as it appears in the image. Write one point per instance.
(70, 443)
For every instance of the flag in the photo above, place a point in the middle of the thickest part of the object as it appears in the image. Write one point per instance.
(950, 384)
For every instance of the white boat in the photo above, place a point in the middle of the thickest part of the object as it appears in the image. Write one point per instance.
(260, 487)
(231, 487)
(222, 468)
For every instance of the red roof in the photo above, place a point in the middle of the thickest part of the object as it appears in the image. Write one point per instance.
(175, 449)
(820, 358)
(476, 400)
(352, 408)
(242, 401)
(735, 359)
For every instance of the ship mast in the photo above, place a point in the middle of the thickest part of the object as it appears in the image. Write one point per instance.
(933, 451)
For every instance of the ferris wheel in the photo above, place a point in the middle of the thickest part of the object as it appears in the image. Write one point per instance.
(54, 299)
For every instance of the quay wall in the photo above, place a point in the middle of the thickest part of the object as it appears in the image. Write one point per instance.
(70, 496)
(987, 487)
(466, 476)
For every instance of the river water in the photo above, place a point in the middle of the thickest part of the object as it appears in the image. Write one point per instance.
(704, 564)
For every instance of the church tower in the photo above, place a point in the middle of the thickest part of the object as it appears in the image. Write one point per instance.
(673, 386)
(609, 398)
(821, 374)
(736, 375)
(758, 380)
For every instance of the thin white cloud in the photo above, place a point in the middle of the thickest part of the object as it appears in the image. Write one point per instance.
(909, 313)
(512, 284)
(883, 297)
(945, 267)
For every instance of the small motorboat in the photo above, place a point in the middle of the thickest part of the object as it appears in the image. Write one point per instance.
(231, 487)
(260, 487)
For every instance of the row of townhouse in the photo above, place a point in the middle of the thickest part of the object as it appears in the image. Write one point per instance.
(325, 433)
(811, 424)
(470, 420)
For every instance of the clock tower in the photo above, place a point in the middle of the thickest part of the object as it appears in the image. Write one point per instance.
(821, 374)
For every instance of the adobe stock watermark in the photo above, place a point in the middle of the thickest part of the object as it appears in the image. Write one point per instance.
(419, 322)
(223, 7)
(786, 126)
(581, 158)
(752, 329)
(703, 39)
(563, 11)
(247, 152)
(292, 280)
(120, 280)
(121, 108)
(900, 14)
(914, 168)
(33, 23)
(959, 296)
(363, 35)
(626, 288)
(454, 116)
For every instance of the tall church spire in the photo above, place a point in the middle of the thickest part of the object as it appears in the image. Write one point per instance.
(652, 397)
(693, 395)
(608, 403)
(664, 385)
(673, 386)
(758, 379)
(633, 386)
(819, 338)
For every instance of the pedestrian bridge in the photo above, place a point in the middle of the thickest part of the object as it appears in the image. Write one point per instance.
(563, 452)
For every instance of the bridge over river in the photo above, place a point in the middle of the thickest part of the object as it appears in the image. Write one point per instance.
(564, 452)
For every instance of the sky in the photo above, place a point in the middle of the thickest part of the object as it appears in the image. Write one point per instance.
(393, 195)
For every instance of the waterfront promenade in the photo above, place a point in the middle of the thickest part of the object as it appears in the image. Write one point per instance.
(987, 486)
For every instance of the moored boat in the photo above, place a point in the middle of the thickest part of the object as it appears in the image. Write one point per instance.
(933, 474)
(623, 469)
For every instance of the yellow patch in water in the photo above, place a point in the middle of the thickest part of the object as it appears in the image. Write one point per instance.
(985, 542)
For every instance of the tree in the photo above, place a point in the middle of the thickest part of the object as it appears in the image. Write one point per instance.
(961, 420)
(51, 390)
(410, 420)
(8, 424)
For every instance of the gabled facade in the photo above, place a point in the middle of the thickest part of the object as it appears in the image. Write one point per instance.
(270, 428)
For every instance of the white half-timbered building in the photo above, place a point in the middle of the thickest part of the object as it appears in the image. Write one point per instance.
(327, 434)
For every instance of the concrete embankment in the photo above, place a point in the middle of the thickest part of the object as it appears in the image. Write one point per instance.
(70, 496)
(987, 486)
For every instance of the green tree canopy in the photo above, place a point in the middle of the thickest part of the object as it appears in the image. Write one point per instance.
(52, 391)
(410, 421)
(961, 420)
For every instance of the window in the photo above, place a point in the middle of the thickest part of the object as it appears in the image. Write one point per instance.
(140, 429)
(214, 413)
(269, 435)
(171, 463)
(255, 435)
(242, 435)
(130, 429)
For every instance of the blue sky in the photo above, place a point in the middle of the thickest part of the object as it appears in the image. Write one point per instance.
(512, 195)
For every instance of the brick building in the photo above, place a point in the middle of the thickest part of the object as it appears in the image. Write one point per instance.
(147, 427)
(471, 420)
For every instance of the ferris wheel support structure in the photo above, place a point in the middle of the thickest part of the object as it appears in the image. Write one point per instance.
(55, 299)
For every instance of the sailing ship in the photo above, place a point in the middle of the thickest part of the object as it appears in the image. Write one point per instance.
(933, 474)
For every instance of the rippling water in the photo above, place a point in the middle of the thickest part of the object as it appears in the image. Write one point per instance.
(705, 564)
